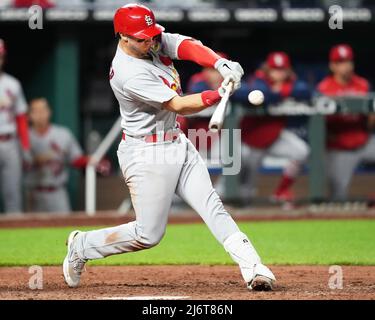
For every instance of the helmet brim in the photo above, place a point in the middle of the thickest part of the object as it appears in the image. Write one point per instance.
(150, 32)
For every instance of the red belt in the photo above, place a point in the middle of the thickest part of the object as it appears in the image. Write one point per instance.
(45, 189)
(6, 137)
(152, 138)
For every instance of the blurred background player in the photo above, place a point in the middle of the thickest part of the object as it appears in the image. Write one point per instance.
(53, 149)
(349, 140)
(209, 79)
(13, 122)
(268, 135)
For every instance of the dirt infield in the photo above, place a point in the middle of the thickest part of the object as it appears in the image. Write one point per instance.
(190, 282)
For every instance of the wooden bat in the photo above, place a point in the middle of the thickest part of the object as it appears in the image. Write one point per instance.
(217, 119)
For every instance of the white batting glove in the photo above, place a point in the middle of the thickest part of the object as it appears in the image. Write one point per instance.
(224, 87)
(230, 68)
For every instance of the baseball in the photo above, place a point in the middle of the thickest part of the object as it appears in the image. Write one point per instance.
(256, 97)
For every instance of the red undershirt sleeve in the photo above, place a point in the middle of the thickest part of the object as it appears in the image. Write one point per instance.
(193, 50)
(23, 131)
(80, 162)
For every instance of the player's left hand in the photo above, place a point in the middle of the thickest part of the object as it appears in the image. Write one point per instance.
(230, 68)
(27, 159)
(224, 87)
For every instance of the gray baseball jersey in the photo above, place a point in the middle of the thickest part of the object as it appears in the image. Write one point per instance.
(57, 148)
(141, 87)
(12, 103)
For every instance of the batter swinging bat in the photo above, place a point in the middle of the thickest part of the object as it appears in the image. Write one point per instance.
(217, 119)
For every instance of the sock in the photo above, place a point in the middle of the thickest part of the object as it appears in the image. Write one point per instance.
(285, 183)
(290, 173)
(243, 253)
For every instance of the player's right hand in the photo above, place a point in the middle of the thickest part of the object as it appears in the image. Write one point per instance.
(225, 86)
(230, 68)
(27, 159)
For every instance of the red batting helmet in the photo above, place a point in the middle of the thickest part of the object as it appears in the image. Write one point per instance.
(2, 48)
(278, 60)
(341, 52)
(137, 21)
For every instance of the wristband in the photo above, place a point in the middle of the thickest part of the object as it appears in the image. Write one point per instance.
(210, 97)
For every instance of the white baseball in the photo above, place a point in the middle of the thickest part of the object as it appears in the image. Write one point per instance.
(256, 97)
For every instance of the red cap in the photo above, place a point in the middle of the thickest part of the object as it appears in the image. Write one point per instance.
(341, 52)
(2, 48)
(278, 60)
(137, 21)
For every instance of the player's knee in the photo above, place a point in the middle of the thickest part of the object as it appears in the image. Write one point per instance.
(147, 241)
(301, 153)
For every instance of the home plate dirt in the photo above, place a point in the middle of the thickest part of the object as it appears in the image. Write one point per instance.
(188, 282)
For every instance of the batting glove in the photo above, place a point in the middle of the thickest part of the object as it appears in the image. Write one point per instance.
(225, 86)
(230, 68)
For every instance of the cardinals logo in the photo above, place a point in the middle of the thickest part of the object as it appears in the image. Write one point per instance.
(149, 20)
(111, 73)
(172, 85)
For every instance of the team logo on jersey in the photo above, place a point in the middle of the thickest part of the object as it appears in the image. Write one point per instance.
(111, 73)
(7, 100)
(56, 148)
(173, 86)
(149, 20)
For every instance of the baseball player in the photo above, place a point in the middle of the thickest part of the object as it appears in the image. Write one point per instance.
(348, 138)
(268, 135)
(156, 159)
(53, 149)
(13, 123)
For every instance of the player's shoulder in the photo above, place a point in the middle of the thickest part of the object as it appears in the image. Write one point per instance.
(361, 81)
(125, 67)
(325, 83)
(60, 130)
(11, 79)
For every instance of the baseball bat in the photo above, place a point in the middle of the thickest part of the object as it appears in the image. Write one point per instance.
(217, 119)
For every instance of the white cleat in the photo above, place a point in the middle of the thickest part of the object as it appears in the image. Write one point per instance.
(263, 279)
(73, 265)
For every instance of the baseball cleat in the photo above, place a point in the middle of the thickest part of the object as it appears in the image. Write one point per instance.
(263, 279)
(73, 265)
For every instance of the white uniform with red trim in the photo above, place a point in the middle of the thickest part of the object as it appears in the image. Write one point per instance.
(12, 103)
(155, 171)
(46, 179)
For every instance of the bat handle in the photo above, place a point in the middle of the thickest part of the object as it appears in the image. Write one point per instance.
(217, 118)
(229, 89)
